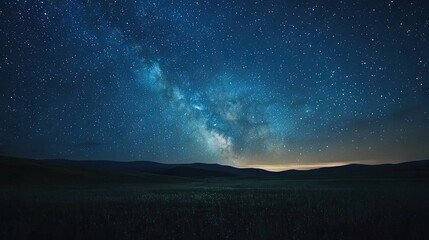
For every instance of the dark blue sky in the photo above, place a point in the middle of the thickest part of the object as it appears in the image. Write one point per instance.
(273, 84)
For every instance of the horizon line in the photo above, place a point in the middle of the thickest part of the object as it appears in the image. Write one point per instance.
(267, 167)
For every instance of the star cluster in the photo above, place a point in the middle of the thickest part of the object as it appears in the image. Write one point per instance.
(263, 83)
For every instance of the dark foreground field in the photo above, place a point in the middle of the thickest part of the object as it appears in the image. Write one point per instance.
(323, 207)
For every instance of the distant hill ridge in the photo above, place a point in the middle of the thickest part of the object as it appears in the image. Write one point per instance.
(12, 169)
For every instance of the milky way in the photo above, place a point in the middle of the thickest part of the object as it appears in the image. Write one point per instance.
(264, 83)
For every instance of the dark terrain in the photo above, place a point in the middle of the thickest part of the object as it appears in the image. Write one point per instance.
(63, 199)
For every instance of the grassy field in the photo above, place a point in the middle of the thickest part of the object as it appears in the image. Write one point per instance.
(228, 208)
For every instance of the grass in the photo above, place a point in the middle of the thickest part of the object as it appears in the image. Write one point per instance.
(227, 208)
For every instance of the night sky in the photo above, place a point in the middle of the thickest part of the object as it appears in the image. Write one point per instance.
(274, 84)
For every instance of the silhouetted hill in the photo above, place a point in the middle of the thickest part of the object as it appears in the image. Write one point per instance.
(194, 172)
(16, 170)
(166, 169)
(412, 169)
(135, 166)
(29, 171)
(244, 172)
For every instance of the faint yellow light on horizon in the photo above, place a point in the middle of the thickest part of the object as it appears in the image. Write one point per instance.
(283, 167)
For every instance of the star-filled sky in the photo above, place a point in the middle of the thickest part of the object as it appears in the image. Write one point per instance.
(267, 83)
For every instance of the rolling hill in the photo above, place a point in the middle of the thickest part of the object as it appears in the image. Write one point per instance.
(30, 171)
(20, 170)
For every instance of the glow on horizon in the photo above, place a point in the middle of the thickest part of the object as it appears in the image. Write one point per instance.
(302, 166)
